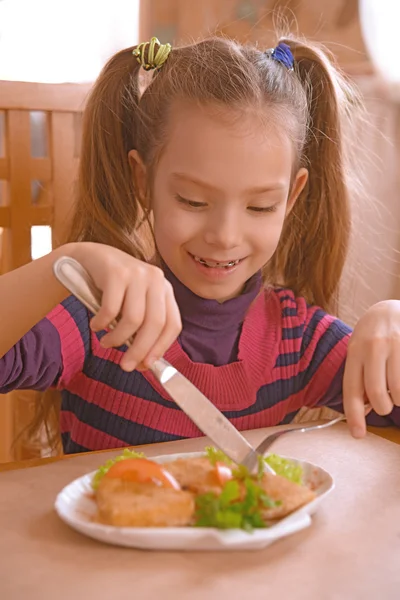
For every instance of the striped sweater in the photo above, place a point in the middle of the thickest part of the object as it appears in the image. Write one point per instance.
(259, 357)
(289, 356)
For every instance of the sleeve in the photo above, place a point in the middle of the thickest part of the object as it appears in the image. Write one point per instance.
(71, 319)
(34, 363)
(51, 353)
(322, 348)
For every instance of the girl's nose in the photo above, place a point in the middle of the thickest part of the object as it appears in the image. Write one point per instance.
(225, 230)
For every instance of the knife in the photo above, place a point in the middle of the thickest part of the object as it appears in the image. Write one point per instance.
(73, 276)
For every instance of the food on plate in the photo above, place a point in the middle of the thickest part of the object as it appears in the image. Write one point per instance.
(101, 471)
(282, 466)
(141, 470)
(200, 475)
(203, 491)
(138, 492)
(127, 504)
(286, 495)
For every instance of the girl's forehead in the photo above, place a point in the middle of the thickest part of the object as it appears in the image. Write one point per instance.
(218, 144)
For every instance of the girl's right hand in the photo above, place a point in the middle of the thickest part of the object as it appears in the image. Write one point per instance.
(139, 294)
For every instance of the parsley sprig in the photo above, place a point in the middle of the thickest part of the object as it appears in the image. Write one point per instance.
(242, 500)
(238, 506)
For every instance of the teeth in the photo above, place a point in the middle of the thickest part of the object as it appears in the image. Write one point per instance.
(214, 265)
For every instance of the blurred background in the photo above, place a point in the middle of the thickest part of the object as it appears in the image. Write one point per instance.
(51, 52)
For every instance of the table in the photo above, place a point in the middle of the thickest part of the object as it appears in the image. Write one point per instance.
(389, 433)
(350, 552)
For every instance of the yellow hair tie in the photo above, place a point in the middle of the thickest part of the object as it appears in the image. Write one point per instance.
(154, 60)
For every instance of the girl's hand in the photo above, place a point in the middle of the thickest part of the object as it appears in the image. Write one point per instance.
(139, 294)
(372, 371)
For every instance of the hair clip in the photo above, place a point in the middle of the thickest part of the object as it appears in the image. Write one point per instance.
(153, 60)
(283, 54)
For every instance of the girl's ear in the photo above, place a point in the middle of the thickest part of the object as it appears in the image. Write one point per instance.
(298, 186)
(139, 173)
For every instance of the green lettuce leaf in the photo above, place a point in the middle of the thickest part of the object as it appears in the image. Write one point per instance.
(215, 455)
(282, 466)
(285, 468)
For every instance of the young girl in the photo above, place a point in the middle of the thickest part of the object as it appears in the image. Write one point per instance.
(233, 158)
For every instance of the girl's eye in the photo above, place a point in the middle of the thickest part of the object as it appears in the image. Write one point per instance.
(191, 203)
(263, 209)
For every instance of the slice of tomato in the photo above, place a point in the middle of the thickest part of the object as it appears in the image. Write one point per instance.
(141, 470)
(223, 473)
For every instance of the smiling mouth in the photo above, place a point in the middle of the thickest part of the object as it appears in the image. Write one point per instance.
(211, 264)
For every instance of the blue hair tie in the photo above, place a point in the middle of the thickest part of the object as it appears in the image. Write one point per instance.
(283, 54)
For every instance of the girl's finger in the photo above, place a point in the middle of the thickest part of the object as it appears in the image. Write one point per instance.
(354, 394)
(172, 329)
(132, 316)
(375, 380)
(393, 374)
(150, 330)
(111, 302)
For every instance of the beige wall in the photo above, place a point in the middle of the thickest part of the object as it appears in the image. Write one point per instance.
(372, 272)
(333, 22)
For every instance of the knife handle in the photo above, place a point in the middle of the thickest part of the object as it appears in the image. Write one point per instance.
(73, 276)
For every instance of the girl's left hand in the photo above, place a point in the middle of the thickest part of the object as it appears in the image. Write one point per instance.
(372, 371)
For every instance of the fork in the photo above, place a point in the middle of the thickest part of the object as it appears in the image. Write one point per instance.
(251, 461)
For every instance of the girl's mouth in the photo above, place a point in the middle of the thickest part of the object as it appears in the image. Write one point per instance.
(212, 264)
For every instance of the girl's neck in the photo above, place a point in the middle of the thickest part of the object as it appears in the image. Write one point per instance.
(211, 329)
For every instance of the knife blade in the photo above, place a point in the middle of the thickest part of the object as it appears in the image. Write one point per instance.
(203, 413)
(187, 396)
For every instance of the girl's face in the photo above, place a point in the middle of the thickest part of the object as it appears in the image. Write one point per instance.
(220, 195)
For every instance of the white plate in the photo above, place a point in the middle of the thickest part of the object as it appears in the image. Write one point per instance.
(76, 507)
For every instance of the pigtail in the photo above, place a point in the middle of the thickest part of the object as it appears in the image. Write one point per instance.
(315, 238)
(107, 206)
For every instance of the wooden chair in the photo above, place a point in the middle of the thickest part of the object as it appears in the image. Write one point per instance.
(39, 153)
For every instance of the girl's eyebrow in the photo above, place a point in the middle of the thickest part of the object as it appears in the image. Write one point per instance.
(277, 185)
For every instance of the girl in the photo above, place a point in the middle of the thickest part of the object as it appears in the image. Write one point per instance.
(233, 158)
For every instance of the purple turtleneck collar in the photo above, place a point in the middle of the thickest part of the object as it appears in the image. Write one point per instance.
(211, 329)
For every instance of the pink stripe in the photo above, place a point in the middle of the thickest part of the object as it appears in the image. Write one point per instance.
(223, 385)
(94, 439)
(289, 302)
(302, 318)
(72, 346)
(330, 363)
(170, 421)
(288, 346)
(340, 347)
(284, 292)
(132, 408)
(303, 313)
(266, 418)
(323, 376)
(112, 354)
(87, 436)
(273, 415)
(311, 312)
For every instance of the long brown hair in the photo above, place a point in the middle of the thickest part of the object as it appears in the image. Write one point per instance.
(312, 102)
